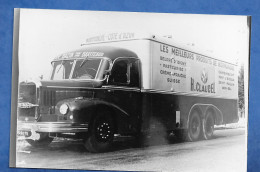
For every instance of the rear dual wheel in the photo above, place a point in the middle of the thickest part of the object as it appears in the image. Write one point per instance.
(208, 126)
(195, 126)
(199, 128)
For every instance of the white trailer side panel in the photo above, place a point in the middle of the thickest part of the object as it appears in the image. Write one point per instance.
(182, 71)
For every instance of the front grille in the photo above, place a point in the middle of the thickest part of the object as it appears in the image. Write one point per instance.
(48, 97)
(47, 100)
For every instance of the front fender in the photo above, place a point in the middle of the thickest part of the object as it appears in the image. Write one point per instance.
(84, 110)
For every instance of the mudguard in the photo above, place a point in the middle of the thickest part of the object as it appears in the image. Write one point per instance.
(85, 109)
(204, 108)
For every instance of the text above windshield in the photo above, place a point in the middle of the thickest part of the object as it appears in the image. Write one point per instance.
(80, 54)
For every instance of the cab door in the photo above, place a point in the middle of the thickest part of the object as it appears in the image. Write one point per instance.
(123, 89)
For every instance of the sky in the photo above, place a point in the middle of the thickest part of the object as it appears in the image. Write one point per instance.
(44, 34)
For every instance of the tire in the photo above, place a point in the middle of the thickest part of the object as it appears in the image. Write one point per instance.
(44, 140)
(194, 127)
(101, 134)
(208, 126)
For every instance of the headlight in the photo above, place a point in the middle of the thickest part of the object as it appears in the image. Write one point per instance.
(64, 109)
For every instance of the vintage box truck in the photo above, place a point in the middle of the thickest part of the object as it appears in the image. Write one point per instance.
(124, 85)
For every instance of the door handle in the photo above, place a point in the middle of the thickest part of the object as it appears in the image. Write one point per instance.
(110, 91)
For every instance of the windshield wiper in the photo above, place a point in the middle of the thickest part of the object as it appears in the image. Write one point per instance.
(83, 62)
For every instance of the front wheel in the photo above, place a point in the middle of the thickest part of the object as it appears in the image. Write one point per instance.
(101, 134)
(43, 141)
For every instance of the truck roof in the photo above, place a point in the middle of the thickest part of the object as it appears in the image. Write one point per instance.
(97, 51)
(93, 47)
(128, 36)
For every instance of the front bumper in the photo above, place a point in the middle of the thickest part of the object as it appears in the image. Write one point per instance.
(52, 127)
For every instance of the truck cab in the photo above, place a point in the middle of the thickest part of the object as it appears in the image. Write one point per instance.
(92, 93)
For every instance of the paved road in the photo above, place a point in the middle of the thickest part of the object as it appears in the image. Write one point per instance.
(226, 152)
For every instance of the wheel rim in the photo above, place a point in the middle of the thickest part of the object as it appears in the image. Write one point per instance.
(104, 131)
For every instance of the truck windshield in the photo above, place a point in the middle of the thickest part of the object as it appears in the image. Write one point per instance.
(89, 68)
(61, 69)
(86, 69)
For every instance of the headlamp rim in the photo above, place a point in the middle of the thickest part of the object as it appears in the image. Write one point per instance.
(64, 108)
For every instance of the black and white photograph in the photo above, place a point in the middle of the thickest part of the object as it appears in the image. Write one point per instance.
(130, 91)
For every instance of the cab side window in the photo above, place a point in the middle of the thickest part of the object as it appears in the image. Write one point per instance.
(125, 73)
(119, 73)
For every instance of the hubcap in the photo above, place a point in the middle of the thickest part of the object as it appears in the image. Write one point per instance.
(104, 132)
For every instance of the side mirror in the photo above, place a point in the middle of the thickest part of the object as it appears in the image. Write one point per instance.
(106, 75)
